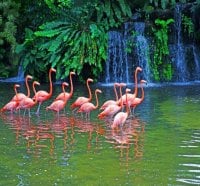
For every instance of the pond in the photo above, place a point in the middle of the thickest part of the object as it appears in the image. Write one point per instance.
(160, 145)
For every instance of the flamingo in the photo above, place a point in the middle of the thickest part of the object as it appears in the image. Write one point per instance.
(66, 95)
(88, 107)
(80, 100)
(21, 96)
(137, 100)
(27, 102)
(58, 105)
(12, 105)
(120, 117)
(131, 96)
(44, 95)
(112, 109)
(109, 102)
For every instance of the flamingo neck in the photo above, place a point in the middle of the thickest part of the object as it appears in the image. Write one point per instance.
(142, 97)
(136, 84)
(28, 88)
(65, 100)
(115, 90)
(127, 106)
(50, 84)
(17, 99)
(71, 84)
(120, 90)
(97, 101)
(89, 90)
(34, 90)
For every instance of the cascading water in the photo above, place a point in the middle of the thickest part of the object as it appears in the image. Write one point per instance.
(142, 49)
(197, 61)
(183, 52)
(119, 64)
(18, 78)
(180, 63)
(116, 64)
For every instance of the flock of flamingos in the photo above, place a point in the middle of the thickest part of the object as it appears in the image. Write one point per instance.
(112, 109)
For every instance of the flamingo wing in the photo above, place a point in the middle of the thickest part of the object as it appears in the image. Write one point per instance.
(86, 107)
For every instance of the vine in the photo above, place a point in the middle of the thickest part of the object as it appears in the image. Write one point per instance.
(162, 69)
(188, 25)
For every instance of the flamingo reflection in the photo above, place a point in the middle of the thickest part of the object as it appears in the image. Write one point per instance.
(128, 137)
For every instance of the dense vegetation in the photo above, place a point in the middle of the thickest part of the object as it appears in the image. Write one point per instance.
(72, 34)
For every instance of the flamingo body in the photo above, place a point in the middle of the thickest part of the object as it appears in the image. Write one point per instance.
(44, 95)
(111, 102)
(12, 105)
(58, 105)
(131, 96)
(112, 109)
(120, 117)
(27, 102)
(80, 100)
(66, 95)
(20, 96)
(88, 107)
(138, 100)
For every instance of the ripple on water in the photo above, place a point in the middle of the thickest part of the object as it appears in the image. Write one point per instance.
(189, 170)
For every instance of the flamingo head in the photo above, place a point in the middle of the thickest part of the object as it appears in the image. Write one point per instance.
(89, 80)
(16, 86)
(116, 84)
(52, 69)
(72, 73)
(29, 77)
(128, 90)
(122, 84)
(98, 90)
(36, 83)
(143, 81)
(139, 69)
(65, 84)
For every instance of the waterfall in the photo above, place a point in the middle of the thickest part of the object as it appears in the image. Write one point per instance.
(130, 47)
(119, 65)
(180, 63)
(142, 49)
(116, 64)
(18, 78)
(197, 61)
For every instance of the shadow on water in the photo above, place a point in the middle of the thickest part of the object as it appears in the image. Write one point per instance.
(161, 142)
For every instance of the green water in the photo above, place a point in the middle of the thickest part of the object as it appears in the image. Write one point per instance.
(159, 146)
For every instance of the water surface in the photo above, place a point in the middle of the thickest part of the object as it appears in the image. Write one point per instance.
(160, 145)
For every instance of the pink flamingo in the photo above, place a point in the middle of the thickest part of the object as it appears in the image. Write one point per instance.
(27, 102)
(109, 102)
(44, 95)
(80, 100)
(137, 100)
(58, 105)
(88, 107)
(12, 105)
(21, 96)
(112, 109)
(66, 95)
(120, 117)
(132, 96)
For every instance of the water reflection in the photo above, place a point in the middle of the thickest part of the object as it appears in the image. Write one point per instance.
(160, 142)
(189, 168)
(129, 138)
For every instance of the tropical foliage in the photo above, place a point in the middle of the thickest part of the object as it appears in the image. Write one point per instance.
(72, 34)
(161, 66)
(76, 39)
(8, 29)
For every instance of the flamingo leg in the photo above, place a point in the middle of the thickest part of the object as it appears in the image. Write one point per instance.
(29, 114)
(38, 109)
